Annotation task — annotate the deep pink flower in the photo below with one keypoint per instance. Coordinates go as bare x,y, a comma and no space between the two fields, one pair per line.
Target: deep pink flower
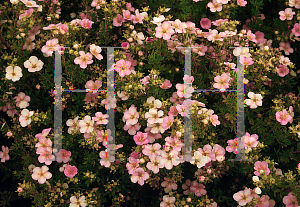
282,117
141,138
296,29
70,171
123,67
205,23
63,156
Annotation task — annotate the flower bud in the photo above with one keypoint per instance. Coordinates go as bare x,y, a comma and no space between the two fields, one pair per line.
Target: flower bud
9,134
188,199
257,190
48,18
255,178
142,161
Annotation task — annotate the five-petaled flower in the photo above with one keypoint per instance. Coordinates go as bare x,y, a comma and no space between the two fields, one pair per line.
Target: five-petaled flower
33,64
13,73
41,174
4,154
254,101
84,59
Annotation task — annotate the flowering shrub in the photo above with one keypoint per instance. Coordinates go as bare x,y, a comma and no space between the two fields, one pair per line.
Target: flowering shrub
153,98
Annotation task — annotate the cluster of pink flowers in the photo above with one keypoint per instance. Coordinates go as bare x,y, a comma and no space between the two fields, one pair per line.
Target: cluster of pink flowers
193,187
284,117
250,141
246,196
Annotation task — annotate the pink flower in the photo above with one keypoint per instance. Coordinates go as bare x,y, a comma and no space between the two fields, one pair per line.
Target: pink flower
166,84
243,197
261,168
184,90
63,155
127,15
118,20
73,125
41,174
44,133
128,6
27,13
63,28
198,189
222,81
282,117
86,125
152,150
95,50
153,116
250,141
13,73
296,29
154,164
178,26
290,200
138,18
25,117
205,23
168,201
241,2
9,134
214,6
86,23
219,153
232,146
4,154
22,100
164,31
284,60
175,143
70,171
131,115
91,85
186,186
287,14
169,159
285,46
84,59
51,45
282,70
45,155
173,111
214,120
96,3
33,64
139,176
100,118
254,101
246,61
132,129
123,67
259,37
199,49
167,122
141,138
169,184
105,158
188,79
133,164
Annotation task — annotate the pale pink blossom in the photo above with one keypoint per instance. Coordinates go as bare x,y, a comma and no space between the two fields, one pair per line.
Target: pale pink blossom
152,150
96,3
199,49
127,15
287,14
131,115
105,158
63,29
44,133
254,101
41,174
45,155
84,59
51,45
100,118
153,116
214,120
250,141
132,129
138,18
241,2
33,64
290,200
167,122
27,13
22,100
285,46
78,202
95,50
123,67
246,61
4,154
284,60
214,6
29,3
158,20
222,81
175,143
73,125
86,125
94,86
164,31
169,159
13,73
154,164
296,28
25,117
282,70
133,164
168,201
63,156
178,26
70,171
139,176
243,197
219,153
183,90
